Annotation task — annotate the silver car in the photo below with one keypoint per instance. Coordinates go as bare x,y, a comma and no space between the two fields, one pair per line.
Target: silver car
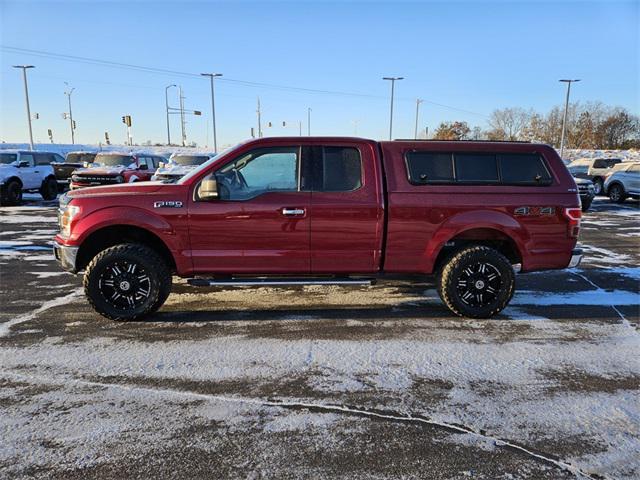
623,182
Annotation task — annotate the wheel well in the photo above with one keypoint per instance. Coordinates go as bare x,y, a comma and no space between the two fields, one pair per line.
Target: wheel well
479,236
10,179
597,177
117,234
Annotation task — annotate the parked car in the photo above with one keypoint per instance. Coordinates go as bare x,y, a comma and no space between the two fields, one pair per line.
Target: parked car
111,168
594,169
71,162
623,182
313,210
178,166
587,192
27,171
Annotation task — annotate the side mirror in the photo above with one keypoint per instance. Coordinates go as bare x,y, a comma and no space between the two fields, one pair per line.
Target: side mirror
24,164
144,166
208,189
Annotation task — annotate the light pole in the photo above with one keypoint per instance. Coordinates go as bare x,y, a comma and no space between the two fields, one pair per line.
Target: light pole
26,97
213,108
415,133
564,119
166,107
68,94
393,83
308,121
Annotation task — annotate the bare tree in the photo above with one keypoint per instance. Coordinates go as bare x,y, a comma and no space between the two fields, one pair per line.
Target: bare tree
508,123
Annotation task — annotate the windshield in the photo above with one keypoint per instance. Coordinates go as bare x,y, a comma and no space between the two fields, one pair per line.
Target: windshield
111,160
6,158
206,164
578,169
80,157
188,160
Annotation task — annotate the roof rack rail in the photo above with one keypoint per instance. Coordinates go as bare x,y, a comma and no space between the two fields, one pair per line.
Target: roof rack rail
465,140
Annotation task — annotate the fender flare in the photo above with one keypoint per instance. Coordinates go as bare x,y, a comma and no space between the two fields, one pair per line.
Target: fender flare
12,178
483,219
114,216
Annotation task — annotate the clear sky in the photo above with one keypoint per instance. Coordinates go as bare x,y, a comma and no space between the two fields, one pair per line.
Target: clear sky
474,56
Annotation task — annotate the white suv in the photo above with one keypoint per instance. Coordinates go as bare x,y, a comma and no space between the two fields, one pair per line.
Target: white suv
27,171
623,182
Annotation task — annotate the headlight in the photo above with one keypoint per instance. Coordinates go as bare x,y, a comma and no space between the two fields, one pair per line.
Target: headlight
66,216
119,179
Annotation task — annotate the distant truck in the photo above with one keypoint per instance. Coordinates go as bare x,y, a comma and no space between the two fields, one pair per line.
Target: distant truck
594,169
72,161
27,171
178,166
318,211
110,168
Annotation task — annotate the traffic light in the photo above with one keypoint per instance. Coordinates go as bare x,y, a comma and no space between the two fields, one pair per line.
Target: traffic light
74,124
197,112
126,119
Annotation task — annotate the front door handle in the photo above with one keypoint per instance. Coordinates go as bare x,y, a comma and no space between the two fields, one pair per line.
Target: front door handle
293,212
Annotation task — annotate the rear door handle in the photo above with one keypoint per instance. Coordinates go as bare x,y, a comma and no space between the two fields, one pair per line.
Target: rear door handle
293,212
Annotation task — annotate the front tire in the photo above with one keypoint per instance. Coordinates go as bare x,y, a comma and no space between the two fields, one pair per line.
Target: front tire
12,194
598,186
586,205
49,189
127,282
477,282
617,193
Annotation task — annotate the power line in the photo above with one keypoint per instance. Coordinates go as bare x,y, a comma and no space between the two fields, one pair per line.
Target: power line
247,83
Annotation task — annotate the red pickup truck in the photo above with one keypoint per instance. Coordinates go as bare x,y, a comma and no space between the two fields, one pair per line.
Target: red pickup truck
110,168
313,210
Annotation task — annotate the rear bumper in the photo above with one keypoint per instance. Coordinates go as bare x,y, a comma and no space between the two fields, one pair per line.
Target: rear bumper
576,258
66,256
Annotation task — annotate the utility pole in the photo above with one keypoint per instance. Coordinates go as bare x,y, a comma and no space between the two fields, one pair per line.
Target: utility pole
418,102
258,111
566,108
213,107
184,134
393,83
355,127
300,127
166,107
26,97
71,123
309,121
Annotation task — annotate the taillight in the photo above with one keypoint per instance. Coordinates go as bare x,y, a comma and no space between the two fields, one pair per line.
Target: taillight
573,215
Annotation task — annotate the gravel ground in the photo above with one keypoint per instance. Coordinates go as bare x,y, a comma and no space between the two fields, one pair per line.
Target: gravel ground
322,382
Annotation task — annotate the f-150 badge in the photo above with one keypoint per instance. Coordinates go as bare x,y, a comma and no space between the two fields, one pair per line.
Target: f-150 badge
168,204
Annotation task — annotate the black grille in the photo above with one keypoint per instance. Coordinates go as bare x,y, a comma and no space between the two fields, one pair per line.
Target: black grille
94,179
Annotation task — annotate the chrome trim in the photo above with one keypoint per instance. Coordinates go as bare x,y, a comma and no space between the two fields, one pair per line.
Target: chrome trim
66,256
576,258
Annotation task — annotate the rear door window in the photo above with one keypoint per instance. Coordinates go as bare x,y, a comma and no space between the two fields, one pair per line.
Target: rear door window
44,158
341,169
523,169
430,167
476,168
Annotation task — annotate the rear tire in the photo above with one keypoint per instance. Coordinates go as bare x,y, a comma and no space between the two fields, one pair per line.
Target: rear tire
617,193
49,189
127,282
477,282
12,194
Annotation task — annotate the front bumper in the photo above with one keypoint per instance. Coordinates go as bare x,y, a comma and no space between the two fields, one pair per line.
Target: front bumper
66,256
576,258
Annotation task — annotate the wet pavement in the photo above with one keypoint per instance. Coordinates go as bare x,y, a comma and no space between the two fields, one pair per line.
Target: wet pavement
322,382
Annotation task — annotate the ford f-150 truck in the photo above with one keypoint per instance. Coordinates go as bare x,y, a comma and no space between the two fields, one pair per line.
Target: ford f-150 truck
313,210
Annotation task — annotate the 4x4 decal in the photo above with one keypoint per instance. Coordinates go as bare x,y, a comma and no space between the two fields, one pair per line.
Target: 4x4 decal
534,211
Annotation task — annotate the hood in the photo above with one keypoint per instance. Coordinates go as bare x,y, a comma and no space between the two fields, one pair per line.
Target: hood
117,170
7,169
582,181
142,188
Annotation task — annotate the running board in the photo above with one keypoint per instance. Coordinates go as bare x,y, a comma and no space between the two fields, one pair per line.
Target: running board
277,281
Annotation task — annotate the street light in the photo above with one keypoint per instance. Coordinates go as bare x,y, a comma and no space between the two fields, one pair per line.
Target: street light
26,97
213,108
71,124
308,121
566,108
418,102
166,106
393,82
